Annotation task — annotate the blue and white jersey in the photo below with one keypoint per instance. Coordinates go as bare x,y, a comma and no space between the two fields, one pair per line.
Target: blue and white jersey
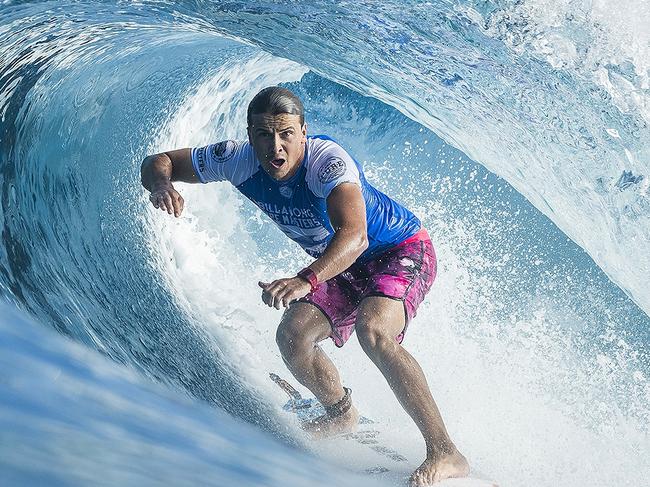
298,205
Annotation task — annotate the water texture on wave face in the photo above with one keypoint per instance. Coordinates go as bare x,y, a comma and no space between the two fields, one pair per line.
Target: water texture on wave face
535,338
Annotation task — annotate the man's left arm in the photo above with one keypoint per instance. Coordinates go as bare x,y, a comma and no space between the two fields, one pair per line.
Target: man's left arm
346,209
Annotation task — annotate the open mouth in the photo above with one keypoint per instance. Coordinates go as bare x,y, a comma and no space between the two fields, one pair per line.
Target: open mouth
277,163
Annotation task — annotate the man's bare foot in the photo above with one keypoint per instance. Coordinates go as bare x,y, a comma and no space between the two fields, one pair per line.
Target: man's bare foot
434,470
325,425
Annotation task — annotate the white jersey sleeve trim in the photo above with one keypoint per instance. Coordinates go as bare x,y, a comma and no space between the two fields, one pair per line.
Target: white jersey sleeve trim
229,160
329,165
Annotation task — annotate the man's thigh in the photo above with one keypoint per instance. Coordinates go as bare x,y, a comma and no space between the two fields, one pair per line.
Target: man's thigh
305,322
399,281
381,315
337,299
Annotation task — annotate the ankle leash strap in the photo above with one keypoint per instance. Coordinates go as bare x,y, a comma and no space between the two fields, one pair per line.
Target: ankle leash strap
341,407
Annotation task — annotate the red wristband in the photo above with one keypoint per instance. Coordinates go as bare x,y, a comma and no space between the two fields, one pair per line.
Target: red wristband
310,276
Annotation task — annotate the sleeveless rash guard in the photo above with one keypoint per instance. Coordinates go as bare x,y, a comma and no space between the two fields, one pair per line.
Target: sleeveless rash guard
298,205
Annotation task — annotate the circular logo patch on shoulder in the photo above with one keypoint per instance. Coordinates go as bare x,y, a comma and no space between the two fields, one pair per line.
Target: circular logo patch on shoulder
331,170
223,151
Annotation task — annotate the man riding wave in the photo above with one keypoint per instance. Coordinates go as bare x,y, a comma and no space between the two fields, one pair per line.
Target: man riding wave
374,263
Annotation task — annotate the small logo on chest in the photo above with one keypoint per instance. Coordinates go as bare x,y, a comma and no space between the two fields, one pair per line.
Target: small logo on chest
286,191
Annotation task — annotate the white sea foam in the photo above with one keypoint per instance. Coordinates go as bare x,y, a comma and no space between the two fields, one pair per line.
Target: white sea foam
207,255
526,385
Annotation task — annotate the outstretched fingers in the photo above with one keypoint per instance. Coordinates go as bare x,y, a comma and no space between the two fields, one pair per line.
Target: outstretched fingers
285,297
282,292
169,205
178,203
276,294
156,201
168,200
275,290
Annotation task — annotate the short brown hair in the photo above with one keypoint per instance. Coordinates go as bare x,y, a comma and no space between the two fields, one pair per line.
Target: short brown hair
275,100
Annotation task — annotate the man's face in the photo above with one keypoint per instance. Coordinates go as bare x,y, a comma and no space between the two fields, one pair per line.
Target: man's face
279,143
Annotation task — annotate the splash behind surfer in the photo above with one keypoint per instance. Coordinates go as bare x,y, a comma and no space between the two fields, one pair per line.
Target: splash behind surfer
374,263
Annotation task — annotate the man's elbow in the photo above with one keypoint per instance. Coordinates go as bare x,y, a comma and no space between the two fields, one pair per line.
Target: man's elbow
362,241
145,170
356,241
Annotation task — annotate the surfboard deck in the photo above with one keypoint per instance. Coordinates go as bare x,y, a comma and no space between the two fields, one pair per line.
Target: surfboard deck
370,447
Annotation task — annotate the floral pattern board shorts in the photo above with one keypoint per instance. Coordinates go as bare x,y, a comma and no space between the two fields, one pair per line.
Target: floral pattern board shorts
404,273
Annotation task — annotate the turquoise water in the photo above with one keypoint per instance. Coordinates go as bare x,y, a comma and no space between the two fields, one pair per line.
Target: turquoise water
518,133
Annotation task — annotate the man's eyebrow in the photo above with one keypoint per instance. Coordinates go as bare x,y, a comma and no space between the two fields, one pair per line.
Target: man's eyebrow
268,129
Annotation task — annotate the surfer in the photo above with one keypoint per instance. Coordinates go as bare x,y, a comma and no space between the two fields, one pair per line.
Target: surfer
374,263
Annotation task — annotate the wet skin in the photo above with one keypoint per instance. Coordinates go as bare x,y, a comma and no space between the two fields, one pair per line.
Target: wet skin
279,143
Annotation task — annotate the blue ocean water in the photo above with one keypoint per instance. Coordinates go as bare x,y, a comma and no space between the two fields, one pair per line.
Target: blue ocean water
517,131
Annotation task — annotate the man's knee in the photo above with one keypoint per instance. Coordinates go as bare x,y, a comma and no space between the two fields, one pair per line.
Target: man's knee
372,335
378,323
299,332
289,338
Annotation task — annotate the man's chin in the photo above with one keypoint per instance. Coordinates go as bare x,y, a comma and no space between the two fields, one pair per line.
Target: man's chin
278,174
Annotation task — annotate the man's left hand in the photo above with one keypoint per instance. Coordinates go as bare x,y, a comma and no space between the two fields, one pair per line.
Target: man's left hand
283,292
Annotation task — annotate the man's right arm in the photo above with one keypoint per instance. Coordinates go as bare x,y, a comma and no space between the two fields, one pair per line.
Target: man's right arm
159,171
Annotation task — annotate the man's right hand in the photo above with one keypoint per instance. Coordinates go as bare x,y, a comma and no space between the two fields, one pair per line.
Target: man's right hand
157,173
167,199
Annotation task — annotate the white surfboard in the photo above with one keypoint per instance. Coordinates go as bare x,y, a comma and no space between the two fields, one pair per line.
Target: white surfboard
370,450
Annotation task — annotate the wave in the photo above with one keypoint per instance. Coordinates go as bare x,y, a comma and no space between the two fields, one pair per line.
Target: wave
549,97
71,417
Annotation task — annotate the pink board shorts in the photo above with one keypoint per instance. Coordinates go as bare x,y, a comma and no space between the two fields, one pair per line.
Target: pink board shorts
404,273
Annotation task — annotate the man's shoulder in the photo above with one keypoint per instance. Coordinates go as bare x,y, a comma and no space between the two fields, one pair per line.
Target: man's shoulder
322,143
328,165
231,147
231,159
322,149
225,150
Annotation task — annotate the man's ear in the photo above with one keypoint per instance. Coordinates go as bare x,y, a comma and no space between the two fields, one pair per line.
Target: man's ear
249,131
304,132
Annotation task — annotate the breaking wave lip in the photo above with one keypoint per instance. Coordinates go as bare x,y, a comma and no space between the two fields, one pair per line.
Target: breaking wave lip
460,69
552,98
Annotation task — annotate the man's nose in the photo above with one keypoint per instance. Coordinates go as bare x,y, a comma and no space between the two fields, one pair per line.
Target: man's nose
277,144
